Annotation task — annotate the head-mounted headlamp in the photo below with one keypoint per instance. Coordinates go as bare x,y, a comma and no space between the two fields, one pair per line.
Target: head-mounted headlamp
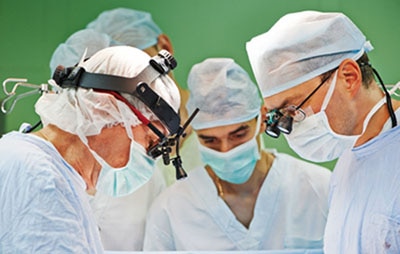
161,64
137,86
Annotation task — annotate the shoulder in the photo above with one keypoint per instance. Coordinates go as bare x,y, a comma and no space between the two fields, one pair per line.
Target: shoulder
27,154
30,165
19,153
182,192
18,147
301,174
299,166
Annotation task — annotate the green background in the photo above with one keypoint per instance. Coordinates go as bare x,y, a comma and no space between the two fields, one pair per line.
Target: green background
31,30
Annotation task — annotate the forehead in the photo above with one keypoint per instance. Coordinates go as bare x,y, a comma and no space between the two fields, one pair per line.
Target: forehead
224,129
291,96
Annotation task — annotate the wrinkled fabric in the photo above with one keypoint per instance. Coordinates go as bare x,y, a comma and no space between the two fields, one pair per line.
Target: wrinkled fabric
223,92
43,202
121,221
128,27
72,50
364,214
86,112
290,212
301,46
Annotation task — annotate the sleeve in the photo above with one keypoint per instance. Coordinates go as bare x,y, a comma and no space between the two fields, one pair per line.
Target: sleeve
158,233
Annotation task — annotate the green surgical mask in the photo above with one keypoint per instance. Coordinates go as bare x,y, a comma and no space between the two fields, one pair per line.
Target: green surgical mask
123,181
236,165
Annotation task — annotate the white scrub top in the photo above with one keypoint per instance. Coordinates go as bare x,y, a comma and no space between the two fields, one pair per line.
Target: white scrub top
364,212
290,212
121,220
44,207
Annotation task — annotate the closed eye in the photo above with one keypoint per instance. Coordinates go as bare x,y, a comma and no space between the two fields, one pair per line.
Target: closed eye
238,135
206,139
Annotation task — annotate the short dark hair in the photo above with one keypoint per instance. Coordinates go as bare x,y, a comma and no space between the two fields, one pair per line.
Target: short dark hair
366,71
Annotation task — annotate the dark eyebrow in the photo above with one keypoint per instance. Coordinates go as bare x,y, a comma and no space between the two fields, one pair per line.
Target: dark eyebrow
240,128
205,136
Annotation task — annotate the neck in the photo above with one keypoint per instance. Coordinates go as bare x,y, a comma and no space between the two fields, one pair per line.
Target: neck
251,186
376,123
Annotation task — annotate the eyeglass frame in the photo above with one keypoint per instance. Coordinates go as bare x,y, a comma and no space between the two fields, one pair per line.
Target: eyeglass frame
278,121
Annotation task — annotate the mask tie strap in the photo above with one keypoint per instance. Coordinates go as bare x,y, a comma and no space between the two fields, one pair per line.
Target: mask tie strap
329,93
377,106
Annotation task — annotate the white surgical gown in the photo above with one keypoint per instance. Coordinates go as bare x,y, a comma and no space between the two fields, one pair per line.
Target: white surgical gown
290,212
121,220
364,214
44,207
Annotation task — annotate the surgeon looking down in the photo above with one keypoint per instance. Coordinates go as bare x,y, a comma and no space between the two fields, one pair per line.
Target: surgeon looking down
245,197
318,62
121,220
91,141
138,29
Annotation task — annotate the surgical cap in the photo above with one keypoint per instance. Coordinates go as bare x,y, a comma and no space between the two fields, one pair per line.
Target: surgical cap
85,112
128,27
301,46
70,52
223,92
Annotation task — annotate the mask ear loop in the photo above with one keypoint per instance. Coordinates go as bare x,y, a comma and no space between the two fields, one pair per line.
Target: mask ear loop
328,95
377,106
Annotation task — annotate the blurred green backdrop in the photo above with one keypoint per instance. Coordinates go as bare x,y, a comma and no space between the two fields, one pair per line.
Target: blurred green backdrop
31,30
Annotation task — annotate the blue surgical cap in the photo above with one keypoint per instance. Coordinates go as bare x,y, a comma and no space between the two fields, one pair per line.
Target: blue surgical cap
301,46
128,27
223,92
70,52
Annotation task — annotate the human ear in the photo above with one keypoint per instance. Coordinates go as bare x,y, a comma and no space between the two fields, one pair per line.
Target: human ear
163,42
263,113
350,72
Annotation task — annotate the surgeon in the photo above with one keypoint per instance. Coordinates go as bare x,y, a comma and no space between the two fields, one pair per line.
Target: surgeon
313,69
245,197
98,126
137,28
121,220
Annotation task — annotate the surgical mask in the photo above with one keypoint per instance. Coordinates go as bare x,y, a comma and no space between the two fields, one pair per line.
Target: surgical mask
314,140
236,165
123,181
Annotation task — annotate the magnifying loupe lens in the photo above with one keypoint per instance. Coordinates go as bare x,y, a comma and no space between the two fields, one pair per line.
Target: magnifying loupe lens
273,131
285,124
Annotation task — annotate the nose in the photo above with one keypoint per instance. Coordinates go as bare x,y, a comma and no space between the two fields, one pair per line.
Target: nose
152,139
225,146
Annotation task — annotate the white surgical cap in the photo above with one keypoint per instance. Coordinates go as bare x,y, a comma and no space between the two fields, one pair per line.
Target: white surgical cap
128,27
70,52
85,112
223,92
301,46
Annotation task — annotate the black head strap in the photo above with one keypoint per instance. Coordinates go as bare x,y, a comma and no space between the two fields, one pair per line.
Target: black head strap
137,86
